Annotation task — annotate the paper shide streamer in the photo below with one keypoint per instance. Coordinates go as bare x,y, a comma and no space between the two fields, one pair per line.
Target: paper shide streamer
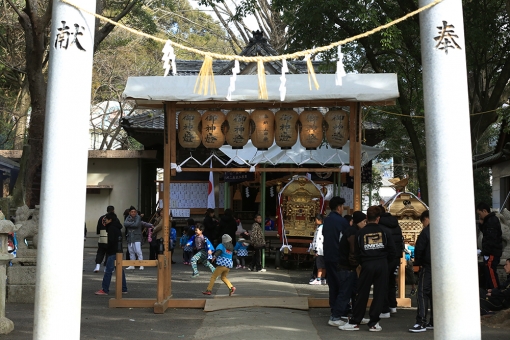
169,58
232,86
340,71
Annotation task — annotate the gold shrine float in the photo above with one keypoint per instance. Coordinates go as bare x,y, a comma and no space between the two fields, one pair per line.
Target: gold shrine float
407,208
299,201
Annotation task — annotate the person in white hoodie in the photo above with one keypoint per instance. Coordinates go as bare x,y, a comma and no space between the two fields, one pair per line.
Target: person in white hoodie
318,249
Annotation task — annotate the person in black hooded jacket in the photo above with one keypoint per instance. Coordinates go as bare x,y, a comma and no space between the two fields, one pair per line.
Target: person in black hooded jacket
492,244
391,226
228,224
211,228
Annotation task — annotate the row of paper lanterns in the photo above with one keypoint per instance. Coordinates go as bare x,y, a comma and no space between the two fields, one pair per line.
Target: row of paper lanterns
214,128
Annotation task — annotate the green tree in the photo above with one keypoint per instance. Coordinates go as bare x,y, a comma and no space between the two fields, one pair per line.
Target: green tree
122,55
315,23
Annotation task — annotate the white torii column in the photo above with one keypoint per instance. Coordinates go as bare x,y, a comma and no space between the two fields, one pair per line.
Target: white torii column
449,170
64,173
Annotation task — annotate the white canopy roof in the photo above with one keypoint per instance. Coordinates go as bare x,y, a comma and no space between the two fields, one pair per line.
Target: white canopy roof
297,155
355,87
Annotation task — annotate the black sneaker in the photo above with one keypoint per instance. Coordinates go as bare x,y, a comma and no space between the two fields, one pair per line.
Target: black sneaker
417,328
429,326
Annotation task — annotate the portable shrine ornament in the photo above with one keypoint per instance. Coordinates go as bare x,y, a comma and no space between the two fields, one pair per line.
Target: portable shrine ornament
262,136
337,127
212,134
237,128
189,129
311,133
286,128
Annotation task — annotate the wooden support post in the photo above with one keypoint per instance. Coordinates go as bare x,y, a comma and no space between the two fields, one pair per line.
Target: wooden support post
160,291
118,275
355,152
172,134
172,114
402,301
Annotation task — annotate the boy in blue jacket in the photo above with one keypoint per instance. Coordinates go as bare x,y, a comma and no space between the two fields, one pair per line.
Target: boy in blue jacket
204,250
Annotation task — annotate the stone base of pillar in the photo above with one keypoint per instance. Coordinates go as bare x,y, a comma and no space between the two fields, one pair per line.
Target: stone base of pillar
21,284
6,325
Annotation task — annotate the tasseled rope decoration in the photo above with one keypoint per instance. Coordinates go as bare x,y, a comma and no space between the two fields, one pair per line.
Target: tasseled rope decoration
262,80
311,73
205,80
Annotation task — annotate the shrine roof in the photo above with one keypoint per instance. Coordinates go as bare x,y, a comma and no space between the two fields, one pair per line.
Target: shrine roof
152,92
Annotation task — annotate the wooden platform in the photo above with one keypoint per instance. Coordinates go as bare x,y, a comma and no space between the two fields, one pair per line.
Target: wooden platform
221,303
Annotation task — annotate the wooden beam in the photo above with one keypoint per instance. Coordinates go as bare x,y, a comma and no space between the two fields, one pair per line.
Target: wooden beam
186,303
318,302
137,263
146,154
296,170
228,105
131,303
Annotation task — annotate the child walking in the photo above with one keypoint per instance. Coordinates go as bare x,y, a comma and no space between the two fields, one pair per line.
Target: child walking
242,252
187,251
318,249
223,258
204,249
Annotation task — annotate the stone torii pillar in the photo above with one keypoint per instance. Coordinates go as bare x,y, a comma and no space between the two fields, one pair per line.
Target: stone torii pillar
64,172
449,169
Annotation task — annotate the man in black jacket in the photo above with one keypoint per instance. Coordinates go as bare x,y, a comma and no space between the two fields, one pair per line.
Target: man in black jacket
390,222
492,244
375,249
103,237
114,233
333,230
422,259
492,300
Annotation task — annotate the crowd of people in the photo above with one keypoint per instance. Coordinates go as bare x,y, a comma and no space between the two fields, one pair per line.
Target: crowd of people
202,243
355,256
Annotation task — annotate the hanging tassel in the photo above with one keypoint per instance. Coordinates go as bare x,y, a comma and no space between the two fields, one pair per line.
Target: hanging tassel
311,73
340,71
262,80
205,78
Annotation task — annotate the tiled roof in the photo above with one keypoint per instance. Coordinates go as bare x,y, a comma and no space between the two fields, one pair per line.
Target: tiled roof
150,120
258,46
